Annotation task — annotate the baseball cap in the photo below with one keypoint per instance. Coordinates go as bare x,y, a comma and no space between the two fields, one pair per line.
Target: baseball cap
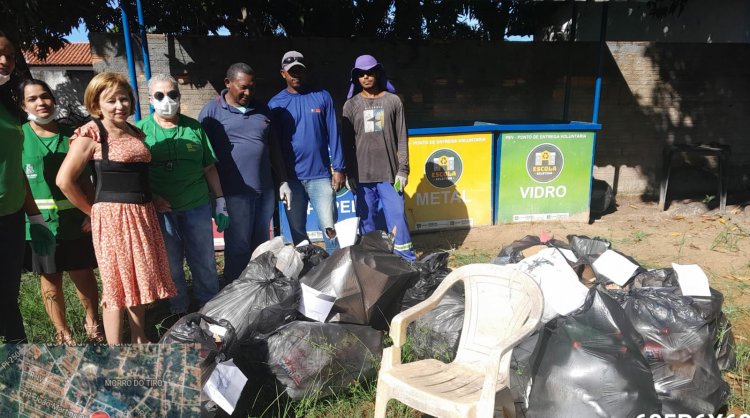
292,58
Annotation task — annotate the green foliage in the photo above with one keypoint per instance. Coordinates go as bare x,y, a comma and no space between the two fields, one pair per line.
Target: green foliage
39,328
639,236
740,397
463,257
729,238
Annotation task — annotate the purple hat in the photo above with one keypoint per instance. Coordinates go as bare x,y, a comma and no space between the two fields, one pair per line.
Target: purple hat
364,63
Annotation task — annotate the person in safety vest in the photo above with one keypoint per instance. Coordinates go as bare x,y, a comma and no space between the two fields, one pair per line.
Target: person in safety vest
15,201
45,145
128,244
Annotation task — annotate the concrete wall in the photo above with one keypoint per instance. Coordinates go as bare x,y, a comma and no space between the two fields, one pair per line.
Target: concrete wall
701,21
653,93
67,85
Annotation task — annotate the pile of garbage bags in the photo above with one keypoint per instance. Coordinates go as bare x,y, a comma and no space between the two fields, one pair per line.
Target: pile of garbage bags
634,343
613,342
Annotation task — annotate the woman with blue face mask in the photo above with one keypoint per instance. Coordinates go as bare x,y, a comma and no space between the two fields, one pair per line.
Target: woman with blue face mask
44,149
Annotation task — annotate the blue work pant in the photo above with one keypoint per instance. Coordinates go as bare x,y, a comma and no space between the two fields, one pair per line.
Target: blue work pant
368,197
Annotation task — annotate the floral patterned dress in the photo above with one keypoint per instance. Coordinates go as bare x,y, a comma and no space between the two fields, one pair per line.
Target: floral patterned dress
128,243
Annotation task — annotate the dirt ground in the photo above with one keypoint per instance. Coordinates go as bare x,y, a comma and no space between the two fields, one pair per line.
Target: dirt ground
687,233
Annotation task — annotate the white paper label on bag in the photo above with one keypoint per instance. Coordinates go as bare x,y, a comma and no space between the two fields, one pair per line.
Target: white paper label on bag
225,385
615,267
315,304
692,279
217,330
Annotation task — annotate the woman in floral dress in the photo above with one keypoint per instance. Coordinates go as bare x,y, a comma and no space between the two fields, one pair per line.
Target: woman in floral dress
128,244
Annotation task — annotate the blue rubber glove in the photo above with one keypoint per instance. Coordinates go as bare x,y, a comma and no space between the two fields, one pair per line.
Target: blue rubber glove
221,216
42,239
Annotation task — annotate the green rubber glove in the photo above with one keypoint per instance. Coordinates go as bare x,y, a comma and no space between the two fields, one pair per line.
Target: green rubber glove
221,216
400,183
42,239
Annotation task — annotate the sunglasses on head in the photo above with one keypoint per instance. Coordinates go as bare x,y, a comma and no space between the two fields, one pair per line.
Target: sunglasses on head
172,94
289,60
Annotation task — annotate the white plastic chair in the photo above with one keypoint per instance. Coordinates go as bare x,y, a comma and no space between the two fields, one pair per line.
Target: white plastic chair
502,307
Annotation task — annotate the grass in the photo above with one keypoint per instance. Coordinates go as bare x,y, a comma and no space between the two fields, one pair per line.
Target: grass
740,398
728,238
39,328
460,258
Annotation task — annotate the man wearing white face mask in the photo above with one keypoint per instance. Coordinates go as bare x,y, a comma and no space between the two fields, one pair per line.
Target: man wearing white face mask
181,174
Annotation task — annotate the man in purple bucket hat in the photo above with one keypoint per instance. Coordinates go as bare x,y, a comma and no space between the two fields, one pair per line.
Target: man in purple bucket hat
374,133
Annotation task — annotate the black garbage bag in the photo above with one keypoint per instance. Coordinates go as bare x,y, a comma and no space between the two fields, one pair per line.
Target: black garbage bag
724,344
602,197
312,255
588,364
679,348
513,252
313,359
259,301
520,371
437,333
379,241
720,329
432,270
368,284
588,248
665,277
193,329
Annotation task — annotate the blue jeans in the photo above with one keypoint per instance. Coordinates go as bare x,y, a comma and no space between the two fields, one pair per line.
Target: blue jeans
188,234
250,226
368,196
321,195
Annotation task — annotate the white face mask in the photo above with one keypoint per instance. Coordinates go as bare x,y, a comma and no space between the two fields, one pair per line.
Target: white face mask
42,121
167,107
4,78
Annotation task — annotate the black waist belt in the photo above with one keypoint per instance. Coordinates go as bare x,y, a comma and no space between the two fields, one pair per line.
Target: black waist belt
122,182
118,182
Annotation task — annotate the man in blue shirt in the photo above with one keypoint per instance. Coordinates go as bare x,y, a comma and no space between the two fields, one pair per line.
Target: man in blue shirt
305,120
239,128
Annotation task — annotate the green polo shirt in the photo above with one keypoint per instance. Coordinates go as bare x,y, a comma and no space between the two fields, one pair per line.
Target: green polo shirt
178,157
42,157
12,189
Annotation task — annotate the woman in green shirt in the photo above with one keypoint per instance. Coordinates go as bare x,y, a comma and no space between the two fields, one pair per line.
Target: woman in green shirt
44,148
15,201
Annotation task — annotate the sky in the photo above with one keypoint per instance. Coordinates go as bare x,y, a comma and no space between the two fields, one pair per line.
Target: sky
81,34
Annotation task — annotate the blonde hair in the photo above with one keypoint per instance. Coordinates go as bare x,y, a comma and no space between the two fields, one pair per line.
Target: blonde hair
101,83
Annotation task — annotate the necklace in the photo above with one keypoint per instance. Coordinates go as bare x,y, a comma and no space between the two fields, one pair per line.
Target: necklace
169,135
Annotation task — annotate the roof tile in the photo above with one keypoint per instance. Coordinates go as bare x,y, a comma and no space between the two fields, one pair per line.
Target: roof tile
70,54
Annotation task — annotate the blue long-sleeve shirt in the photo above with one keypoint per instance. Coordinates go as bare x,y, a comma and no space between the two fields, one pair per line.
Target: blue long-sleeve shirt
309,136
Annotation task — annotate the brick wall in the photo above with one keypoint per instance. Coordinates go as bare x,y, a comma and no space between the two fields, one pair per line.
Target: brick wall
653,93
